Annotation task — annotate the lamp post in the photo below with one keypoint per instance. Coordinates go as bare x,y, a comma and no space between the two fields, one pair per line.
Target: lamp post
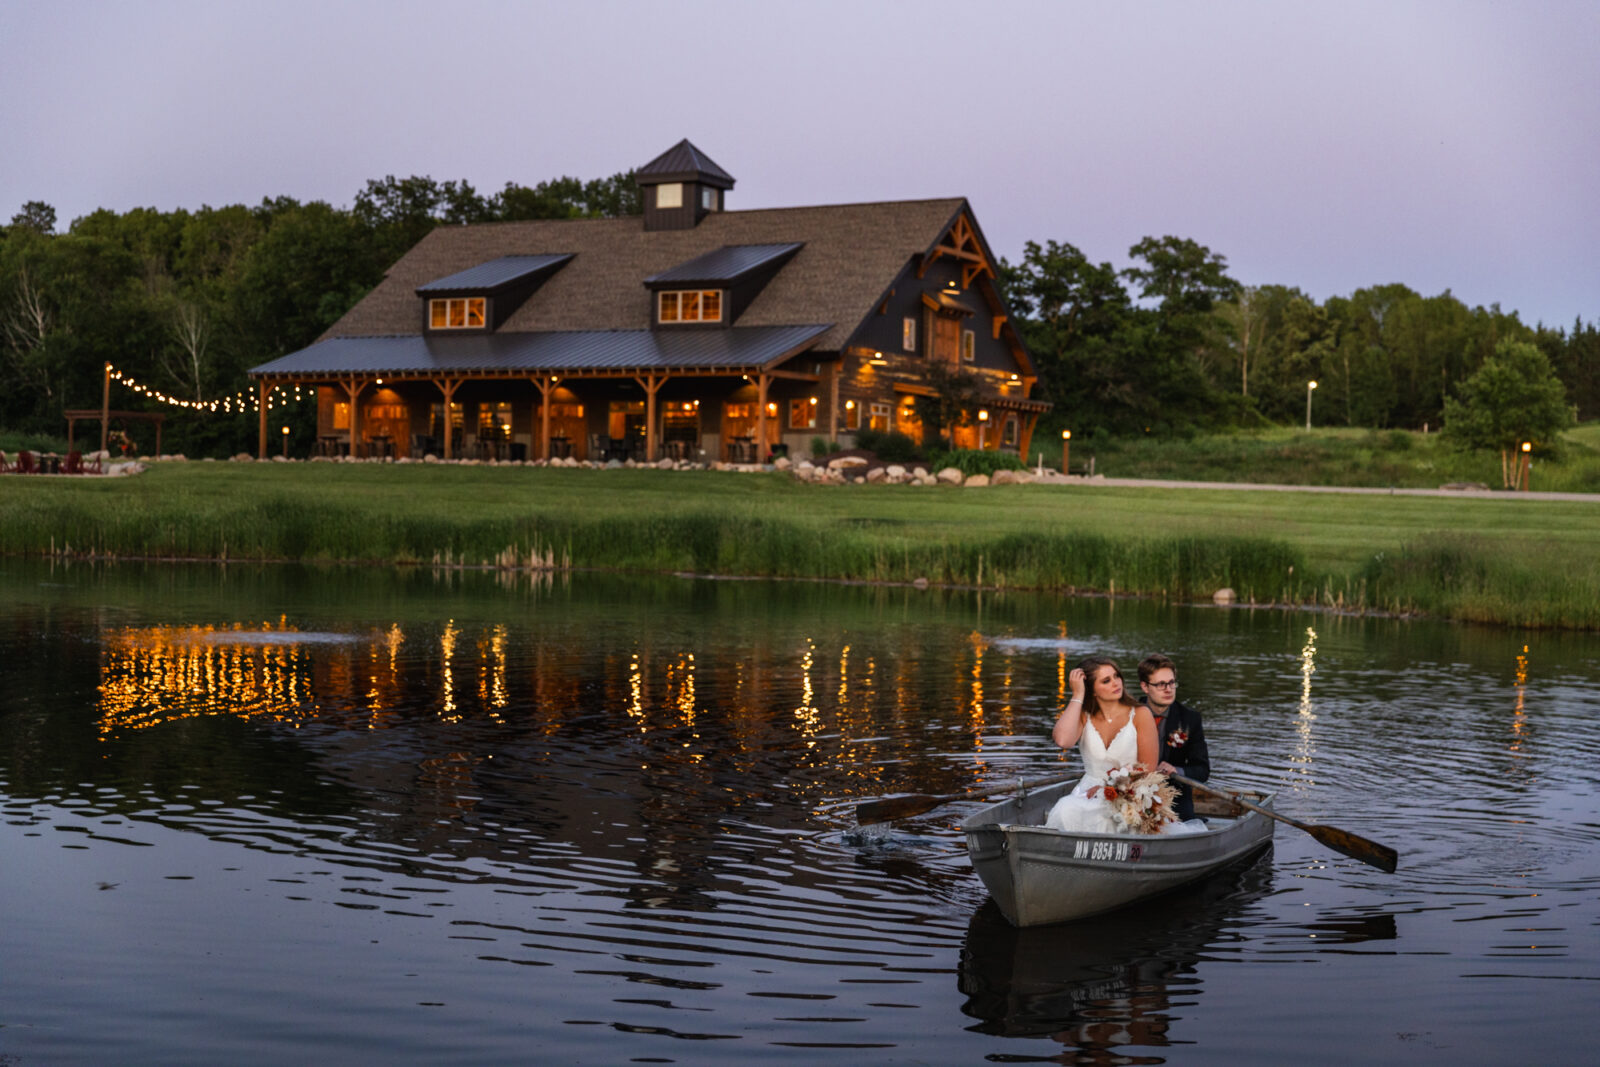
286,442
1527,462
1310,388
983,426
1066,450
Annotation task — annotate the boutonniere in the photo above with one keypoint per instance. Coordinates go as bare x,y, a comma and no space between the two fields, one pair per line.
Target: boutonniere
1177,738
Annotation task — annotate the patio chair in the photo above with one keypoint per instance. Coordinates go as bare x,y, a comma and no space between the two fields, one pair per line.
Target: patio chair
26,463
74,463
4,465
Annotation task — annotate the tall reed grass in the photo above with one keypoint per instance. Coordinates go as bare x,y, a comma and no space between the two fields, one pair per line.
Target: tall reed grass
1014,538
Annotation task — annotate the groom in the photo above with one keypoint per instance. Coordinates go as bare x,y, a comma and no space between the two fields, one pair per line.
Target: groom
1183,742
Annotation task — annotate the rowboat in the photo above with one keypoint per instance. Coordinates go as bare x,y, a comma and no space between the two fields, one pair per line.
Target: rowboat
1039,876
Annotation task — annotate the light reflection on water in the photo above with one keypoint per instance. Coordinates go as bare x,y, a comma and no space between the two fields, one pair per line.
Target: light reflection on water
436,819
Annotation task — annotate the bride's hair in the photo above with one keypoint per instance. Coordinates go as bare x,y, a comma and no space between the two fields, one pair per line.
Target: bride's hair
1089,666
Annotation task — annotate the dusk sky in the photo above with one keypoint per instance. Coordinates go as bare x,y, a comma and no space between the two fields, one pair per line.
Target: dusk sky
1443,144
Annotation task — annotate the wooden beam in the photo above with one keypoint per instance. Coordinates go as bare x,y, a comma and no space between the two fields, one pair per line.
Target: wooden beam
546,385
448,387
652,384
261,406
833,403
763,381
105,410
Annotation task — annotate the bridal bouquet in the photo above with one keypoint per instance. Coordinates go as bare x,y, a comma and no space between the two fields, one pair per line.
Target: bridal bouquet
1141,801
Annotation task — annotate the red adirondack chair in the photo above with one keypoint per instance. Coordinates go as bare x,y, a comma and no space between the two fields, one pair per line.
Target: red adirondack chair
74,463
25,463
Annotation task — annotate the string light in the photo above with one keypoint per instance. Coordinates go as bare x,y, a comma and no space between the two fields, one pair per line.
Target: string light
236,404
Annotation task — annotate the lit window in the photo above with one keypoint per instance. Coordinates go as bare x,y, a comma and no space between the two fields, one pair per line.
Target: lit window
690,305
968,343
879,418
669,194
852,415
1009,436
908,334
460,313
803,414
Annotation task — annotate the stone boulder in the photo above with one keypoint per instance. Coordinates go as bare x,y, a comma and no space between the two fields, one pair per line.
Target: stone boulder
949,476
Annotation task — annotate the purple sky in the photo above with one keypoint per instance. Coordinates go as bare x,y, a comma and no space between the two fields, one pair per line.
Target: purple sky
1326,145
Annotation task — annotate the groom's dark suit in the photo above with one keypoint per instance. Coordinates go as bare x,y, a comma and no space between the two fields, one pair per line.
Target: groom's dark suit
1183,744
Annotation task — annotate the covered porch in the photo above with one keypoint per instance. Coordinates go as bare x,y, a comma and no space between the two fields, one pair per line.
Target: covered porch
619,395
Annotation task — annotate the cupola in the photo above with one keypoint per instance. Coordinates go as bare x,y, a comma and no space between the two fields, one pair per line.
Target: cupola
680,187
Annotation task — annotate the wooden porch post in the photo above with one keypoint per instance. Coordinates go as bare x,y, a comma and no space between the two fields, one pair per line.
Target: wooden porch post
448,388
1028,423
261,412
105,410
546,386
763,381
352,387
652,384
833,400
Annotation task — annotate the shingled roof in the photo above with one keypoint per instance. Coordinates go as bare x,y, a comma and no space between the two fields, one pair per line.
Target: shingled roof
851,255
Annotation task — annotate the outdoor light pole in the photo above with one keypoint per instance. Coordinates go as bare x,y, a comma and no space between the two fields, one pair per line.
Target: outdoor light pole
286,442
1310,387
1066,450
983,426
1527,462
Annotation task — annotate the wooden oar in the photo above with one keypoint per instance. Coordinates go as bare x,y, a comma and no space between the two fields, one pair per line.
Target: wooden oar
1359,848
917,803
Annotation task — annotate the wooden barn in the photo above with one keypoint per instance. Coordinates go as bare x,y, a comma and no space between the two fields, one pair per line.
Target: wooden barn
690,332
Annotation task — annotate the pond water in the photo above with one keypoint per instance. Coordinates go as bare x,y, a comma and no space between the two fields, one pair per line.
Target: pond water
263,815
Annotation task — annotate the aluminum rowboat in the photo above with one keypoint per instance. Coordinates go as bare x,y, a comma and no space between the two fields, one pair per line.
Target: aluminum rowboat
1039,876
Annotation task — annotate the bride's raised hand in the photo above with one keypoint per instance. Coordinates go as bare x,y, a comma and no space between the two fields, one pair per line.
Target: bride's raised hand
1077,682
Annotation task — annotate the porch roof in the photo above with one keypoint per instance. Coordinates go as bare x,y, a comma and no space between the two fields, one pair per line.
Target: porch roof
569,352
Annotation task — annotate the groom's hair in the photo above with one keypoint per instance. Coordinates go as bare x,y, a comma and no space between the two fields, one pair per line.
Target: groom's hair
1155,662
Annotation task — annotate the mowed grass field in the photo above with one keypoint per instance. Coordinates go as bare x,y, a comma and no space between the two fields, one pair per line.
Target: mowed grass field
1496,557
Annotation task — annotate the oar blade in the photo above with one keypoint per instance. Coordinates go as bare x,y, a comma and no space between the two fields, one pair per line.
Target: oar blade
892,808
1357,848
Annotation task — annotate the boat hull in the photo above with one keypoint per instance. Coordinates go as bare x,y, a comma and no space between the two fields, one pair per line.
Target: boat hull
1039,876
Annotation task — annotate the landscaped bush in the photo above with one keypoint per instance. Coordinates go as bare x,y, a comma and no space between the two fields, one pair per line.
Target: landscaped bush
889,446
970,462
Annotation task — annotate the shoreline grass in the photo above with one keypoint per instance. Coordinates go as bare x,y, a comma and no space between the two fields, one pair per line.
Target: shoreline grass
1498,559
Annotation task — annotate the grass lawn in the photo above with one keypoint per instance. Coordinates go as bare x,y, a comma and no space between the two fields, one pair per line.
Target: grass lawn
1499,558
1378,458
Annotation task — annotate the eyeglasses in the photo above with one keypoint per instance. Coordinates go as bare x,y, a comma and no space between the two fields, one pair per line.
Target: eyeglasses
1163,685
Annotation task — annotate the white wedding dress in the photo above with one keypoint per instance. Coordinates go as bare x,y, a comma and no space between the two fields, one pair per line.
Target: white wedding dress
1078,812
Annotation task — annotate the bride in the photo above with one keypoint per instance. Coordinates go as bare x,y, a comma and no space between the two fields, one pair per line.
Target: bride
1111,731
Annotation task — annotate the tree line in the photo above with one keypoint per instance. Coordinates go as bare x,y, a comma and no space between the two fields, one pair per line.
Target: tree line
186,301
1173,344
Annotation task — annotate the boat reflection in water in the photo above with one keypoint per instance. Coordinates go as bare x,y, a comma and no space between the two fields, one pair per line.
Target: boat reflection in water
1109,985
1103,985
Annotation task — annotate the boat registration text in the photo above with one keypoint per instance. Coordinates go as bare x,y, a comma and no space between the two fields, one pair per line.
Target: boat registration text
1126,851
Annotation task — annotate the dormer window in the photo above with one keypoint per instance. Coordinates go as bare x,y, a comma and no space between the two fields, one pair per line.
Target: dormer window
708,198
461,313
669,194
689,305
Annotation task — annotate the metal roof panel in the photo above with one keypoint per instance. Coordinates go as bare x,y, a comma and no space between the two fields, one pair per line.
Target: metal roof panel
495,273
726,264
568,352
